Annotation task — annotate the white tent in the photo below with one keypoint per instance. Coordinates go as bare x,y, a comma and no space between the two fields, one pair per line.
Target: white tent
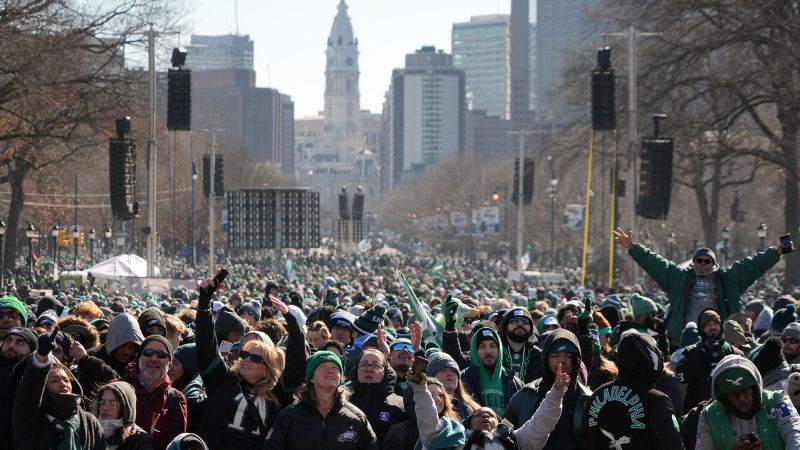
121,266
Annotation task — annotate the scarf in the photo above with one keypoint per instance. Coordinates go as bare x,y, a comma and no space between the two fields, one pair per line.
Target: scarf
66,433
110,427
491,386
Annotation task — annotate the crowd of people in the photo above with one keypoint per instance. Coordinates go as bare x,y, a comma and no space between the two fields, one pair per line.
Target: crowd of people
341,352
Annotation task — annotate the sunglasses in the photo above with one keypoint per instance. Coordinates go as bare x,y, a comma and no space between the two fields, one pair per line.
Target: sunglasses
703,261
258,359
9,314
402,346
518,320
149,352
790,340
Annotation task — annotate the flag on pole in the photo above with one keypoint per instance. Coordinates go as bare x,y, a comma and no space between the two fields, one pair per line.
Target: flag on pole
432,330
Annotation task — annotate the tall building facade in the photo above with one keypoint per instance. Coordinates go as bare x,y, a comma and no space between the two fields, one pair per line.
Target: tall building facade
426,114
336,154
519,64
220,52
481,50
559,27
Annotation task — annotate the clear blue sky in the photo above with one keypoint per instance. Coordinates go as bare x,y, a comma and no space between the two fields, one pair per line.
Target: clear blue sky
290,35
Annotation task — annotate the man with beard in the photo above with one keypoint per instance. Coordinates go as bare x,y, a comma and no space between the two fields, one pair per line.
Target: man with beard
489,383
703,284
644,320
160,409
698,360
743,415
520,354
17,345
401,357
791,343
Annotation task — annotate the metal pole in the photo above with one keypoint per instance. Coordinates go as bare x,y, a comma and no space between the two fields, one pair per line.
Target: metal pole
552,231
76,200
151,152
74,252
194,169
30,259
2,262
520,200
91,252
211,199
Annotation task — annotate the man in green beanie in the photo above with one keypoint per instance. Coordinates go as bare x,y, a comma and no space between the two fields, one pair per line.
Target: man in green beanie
12,314
702,285
743,415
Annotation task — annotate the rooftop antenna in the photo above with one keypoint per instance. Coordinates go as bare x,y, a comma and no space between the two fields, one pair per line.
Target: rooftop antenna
236,15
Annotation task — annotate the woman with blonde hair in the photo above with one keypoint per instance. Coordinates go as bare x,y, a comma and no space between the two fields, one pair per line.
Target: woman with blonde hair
241,406
317,334
438,423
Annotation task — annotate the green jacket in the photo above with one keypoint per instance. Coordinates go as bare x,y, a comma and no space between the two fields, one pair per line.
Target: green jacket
729,283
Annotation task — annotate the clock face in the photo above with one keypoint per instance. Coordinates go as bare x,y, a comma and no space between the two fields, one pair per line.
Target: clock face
349,61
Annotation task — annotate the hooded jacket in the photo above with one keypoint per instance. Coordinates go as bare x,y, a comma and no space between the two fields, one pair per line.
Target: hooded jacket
378,402
191,385
471,375
630,410
530,354
695,364
123,329
161,411
677,282
33,404
776,423
131,436
523,405
300,426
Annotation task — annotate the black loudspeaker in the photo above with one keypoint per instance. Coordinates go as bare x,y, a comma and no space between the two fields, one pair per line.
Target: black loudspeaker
122,178
344,210
179,99
206,175
358,206
603,99
655,184
219,176
528,171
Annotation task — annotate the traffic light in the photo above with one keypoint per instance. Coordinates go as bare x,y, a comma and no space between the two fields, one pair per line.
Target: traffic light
206,175
219,177
62,238
80,239
179,99
655,184
527,181
603,104
122,177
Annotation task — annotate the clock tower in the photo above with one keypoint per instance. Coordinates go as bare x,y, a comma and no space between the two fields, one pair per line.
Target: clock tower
342,119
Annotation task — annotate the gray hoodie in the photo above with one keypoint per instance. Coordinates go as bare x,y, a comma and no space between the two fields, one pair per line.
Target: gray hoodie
764,319
789,426
123,329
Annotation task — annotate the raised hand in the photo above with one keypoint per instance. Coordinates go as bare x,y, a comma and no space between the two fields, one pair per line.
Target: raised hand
382,345
205,292
278,304
623,239
76,351
416,335
585,318
46,343
561,379
449,310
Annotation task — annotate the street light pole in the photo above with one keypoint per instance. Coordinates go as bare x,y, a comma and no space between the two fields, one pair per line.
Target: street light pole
75,234
30,232
2,254
762,234
552,189
107,233
152,153
92,235
520,197
54,234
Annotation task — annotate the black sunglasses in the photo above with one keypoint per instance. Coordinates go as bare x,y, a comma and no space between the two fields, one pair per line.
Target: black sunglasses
790,340
704,261
258,359
149,352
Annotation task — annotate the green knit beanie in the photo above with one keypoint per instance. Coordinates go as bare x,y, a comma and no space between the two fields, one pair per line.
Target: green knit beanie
11,302
642,305
318,358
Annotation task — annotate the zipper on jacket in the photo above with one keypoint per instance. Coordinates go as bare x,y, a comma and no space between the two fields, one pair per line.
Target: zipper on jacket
323,431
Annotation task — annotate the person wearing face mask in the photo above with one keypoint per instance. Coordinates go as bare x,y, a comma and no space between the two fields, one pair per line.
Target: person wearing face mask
47,412
704,284
241,405
116,409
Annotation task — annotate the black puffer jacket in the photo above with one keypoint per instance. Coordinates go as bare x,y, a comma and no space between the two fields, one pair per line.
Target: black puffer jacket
300,426
403,435
378,401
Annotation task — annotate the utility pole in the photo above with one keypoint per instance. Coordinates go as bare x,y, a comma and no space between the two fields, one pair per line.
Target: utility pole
212,197
194,179
632,185
152,238
520,197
